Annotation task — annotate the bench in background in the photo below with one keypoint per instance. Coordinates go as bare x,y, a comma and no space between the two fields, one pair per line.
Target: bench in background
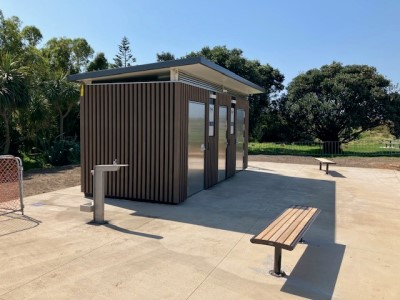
325,161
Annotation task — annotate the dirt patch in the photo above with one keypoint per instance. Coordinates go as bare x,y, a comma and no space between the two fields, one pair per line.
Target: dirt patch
48,180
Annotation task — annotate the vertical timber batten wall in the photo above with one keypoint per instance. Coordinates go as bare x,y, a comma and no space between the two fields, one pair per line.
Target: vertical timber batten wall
145,125
135,124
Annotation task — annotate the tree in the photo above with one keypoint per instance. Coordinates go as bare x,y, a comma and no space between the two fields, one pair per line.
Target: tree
13,92
22,44
62,96
10,37
81,52
98,63
392,112
124,58
67,55
264,75
336,102
29,83
165,56
31,36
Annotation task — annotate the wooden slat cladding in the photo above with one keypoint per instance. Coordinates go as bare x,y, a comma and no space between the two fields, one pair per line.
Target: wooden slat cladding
139,125
145,125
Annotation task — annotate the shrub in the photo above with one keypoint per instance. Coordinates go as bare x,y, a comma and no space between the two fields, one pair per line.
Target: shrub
63,152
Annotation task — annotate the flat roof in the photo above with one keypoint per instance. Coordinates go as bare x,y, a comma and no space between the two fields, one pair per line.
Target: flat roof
196,66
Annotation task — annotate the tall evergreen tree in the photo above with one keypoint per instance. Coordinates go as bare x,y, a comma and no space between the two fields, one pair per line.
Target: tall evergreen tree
124,57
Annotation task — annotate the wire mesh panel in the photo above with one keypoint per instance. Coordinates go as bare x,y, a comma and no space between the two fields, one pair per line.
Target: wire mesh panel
11,195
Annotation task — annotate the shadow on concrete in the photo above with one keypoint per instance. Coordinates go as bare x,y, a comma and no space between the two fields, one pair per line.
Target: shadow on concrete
336,174
124,230
244,203
315,274
247,203
13,222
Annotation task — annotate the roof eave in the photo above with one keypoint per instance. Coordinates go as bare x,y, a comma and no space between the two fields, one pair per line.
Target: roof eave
81,77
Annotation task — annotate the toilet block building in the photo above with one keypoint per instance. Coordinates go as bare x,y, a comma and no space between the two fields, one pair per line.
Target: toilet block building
180,125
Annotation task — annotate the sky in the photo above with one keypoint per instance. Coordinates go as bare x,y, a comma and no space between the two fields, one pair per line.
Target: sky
290,35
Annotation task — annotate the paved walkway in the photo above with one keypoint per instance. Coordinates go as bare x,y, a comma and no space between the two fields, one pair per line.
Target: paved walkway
201,249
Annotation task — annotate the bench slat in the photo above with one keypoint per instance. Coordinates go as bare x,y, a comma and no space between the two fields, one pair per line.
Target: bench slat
288,228
297,215
264,234
301,228
325,161
293,227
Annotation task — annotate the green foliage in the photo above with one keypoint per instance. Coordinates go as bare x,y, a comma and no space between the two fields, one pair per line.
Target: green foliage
378,133
36,122
62,96
81,52
124,57
13,92
165,56
264,75
32,160
336,102
355,148
35,98
393,113
31,36
63,151
99,63
10,37
67,55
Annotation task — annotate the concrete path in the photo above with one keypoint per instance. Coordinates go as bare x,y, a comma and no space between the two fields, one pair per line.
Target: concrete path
201,249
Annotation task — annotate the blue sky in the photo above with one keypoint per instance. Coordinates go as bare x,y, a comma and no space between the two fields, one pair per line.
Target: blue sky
293,36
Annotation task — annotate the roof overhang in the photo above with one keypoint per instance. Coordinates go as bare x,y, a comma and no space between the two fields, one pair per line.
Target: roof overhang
196,66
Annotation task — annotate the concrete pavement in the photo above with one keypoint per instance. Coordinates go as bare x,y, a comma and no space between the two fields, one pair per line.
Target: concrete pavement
201,249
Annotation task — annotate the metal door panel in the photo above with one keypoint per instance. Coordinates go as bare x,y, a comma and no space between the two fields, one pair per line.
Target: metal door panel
240,115
196,147
222,142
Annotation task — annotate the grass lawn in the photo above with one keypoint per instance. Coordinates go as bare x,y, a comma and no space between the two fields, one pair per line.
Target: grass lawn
358,148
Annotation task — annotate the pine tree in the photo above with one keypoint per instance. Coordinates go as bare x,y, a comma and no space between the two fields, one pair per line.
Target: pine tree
124,58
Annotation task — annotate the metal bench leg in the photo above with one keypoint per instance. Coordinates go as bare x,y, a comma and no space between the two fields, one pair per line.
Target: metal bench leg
320,165
327,168
277,263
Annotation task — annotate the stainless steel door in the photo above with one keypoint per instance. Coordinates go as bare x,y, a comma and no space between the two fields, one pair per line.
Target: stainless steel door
222,142
240,115
196,147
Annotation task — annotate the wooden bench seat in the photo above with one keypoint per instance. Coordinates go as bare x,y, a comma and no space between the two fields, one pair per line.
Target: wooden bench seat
325,161
286,231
